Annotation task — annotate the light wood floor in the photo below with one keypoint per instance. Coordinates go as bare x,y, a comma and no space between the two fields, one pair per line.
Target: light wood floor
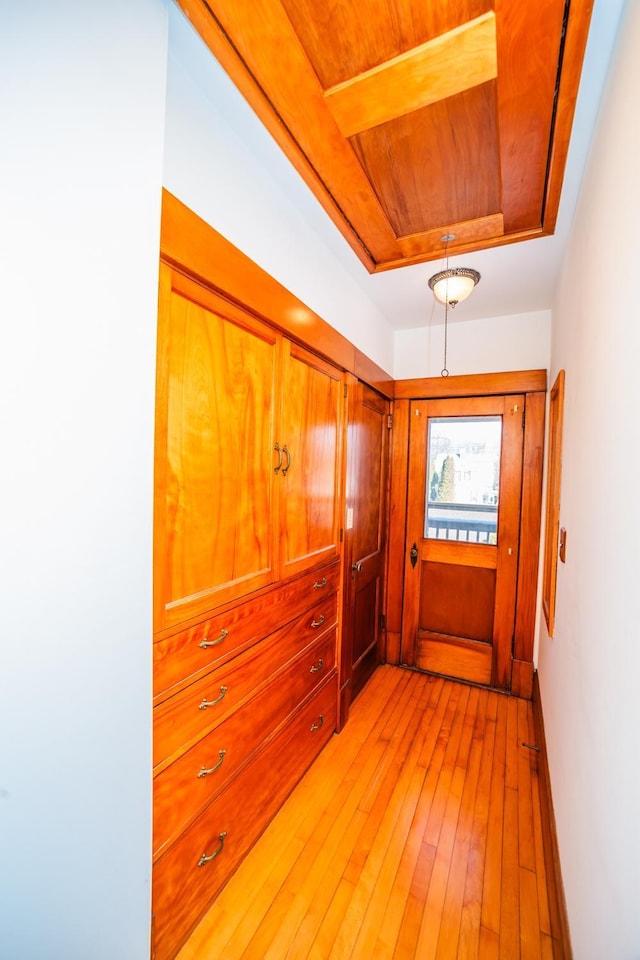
416,834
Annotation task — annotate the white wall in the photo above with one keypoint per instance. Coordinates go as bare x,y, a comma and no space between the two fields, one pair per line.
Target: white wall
81,116
589,671
225,167
519,342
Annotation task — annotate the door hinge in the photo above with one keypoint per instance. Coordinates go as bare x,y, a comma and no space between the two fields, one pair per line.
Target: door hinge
341,535
383,622
523,419
389,421
346,389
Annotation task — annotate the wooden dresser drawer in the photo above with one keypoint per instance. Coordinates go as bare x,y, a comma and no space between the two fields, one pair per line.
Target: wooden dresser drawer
186,717
182,790
180,659
184,885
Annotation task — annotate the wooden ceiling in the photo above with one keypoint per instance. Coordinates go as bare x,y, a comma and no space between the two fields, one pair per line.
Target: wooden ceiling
411,119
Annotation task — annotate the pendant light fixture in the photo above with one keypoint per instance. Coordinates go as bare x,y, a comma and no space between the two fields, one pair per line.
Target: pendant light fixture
449,287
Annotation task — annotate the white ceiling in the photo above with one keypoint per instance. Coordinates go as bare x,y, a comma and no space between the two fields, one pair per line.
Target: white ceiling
515,278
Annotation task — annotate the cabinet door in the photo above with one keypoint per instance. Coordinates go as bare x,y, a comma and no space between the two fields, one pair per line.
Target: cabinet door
310,430
215,503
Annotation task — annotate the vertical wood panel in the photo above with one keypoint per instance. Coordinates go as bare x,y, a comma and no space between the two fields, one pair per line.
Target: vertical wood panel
529,560
399,463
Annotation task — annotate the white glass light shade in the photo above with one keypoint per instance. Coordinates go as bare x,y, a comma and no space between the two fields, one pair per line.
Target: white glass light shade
452,286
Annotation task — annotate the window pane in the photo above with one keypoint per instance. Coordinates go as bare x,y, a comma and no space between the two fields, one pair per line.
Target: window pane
463,478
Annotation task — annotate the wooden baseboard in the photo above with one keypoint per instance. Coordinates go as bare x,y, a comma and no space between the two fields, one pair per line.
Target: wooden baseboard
557,903
522,679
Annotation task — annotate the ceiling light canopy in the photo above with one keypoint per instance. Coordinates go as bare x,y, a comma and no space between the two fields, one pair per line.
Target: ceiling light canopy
453,285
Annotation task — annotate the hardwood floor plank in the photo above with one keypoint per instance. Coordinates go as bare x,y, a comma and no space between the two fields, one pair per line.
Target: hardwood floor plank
431,762
390,817
416,835
379,911
452,912
530,942
446,833
510,901
526,759
472,904
489,944
490,914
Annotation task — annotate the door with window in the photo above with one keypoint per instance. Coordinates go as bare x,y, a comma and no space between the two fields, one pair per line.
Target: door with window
463,521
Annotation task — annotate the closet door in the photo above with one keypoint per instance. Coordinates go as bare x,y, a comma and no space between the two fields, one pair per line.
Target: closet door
215,502
310,438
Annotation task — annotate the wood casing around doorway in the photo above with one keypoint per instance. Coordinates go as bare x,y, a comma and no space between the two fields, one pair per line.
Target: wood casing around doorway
532,384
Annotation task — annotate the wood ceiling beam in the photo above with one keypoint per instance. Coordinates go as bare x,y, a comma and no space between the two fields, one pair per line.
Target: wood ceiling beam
445,66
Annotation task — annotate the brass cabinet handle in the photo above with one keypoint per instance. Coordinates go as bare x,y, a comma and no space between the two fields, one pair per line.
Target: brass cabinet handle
317,666
319,584
205,773
316,726
211,703
318,623
278,451
413,555
205,859
284,450
204,643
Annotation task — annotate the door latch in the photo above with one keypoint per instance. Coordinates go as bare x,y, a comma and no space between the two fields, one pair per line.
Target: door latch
413,555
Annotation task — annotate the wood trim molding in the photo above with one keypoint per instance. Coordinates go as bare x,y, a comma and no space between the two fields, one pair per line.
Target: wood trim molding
471,385
576,34
557,903
397,520
529,559
195,248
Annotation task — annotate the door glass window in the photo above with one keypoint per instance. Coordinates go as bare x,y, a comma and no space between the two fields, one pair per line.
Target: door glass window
463,479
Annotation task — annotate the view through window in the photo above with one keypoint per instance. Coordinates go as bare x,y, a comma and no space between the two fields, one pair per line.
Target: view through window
463,479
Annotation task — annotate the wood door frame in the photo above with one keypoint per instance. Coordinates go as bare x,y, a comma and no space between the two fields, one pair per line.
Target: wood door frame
353,394
533,384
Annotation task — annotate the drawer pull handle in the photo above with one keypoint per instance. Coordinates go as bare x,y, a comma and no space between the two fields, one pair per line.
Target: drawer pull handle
285,469
316,726
279,452
211,703
319,584
204,772
317,666
213,643
318,623
205,859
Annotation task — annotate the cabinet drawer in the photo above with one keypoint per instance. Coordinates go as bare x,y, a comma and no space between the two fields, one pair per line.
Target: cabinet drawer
180,659
190,714
181,790
183,889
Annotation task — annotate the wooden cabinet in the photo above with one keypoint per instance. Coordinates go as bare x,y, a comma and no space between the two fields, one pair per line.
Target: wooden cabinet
248,454
249,457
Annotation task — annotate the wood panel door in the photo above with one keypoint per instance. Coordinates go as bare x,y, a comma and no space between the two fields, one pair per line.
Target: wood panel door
310,436
215,498
365,532
463,521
